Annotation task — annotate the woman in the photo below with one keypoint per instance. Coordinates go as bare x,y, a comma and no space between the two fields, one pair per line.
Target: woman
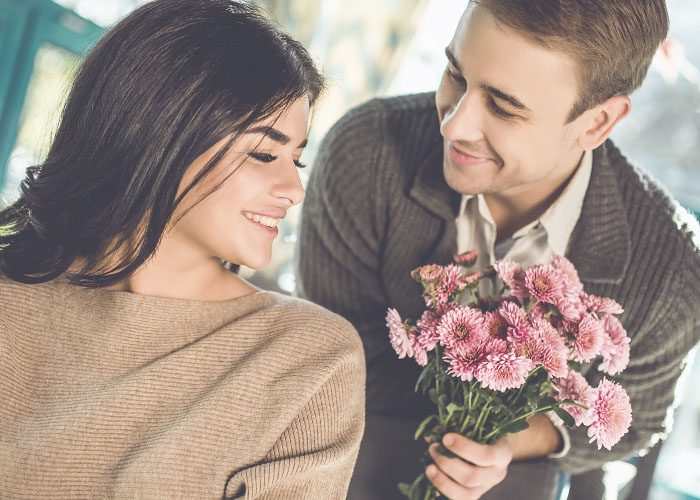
134,363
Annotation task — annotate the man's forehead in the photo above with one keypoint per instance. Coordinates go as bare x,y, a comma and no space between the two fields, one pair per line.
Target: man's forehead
496,56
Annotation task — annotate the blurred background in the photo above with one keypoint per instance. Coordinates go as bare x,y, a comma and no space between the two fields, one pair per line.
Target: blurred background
369,48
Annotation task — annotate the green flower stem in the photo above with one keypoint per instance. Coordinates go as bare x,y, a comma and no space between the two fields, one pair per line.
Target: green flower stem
484,413
498,428
436,358
481,429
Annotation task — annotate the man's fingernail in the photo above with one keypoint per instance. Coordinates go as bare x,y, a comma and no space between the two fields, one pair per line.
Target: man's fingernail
430,471
448,440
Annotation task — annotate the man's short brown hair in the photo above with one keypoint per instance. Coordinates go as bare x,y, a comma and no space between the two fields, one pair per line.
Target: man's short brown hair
613,41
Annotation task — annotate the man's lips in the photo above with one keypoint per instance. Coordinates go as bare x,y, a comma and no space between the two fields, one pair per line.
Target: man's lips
462,157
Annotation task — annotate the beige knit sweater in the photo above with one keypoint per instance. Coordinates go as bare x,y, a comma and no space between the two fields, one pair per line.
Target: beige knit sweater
118,395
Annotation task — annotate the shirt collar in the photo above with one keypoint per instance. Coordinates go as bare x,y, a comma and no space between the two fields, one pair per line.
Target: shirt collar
559,220
561,217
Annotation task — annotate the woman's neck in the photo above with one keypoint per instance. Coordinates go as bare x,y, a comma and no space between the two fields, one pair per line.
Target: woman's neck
177,270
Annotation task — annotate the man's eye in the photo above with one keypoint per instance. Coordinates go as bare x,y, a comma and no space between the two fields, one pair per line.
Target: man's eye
262,157
456,77
498,111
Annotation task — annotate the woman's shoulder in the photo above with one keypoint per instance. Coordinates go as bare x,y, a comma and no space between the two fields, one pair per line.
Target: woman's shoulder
303,319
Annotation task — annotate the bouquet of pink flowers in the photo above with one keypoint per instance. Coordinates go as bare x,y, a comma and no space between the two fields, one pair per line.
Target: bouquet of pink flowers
492,362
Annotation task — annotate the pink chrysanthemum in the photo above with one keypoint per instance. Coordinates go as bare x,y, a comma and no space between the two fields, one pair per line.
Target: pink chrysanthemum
470,279
427,274
616,346
570,307
544,283
572,282
588,339
466,259
419,352
466,364
513,275
574,387
496,346
518,328
398,336
428,335
504,371
461,328
442,309
446,285
601,305
549,349
611,414
496,326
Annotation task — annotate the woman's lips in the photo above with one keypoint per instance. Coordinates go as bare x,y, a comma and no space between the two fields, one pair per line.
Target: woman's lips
272,231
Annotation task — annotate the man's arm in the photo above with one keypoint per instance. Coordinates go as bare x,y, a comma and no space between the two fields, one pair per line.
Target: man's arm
658,354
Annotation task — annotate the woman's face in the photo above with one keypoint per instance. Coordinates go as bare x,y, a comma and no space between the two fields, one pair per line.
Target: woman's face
238,221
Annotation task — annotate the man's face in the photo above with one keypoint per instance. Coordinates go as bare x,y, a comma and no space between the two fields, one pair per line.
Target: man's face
503,104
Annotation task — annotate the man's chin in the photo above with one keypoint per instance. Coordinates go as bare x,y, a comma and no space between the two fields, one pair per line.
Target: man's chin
465,186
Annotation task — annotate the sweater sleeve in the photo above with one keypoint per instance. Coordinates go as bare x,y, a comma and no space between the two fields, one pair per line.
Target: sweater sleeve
315,456
339,253
658,356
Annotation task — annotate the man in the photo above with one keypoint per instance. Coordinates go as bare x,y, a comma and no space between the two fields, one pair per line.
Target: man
510,157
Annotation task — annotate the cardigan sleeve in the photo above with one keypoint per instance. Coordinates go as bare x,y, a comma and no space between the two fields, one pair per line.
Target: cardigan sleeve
658,356
315,455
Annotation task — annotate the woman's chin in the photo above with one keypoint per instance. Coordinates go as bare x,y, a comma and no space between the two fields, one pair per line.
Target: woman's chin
256,263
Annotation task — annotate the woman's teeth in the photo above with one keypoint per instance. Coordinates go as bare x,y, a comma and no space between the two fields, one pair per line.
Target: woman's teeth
265,221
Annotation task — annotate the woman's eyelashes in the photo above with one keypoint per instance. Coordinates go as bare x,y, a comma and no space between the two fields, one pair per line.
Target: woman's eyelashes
268,158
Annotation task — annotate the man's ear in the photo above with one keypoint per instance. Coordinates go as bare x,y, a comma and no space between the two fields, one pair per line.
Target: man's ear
602,121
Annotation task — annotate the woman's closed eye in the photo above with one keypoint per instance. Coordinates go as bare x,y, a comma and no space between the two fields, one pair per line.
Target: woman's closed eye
268,158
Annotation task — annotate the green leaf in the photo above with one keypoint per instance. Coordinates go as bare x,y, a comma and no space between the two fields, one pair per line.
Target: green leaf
432,394
405,489
442,403
424,379
422,425
546,388
547,401
565,416
415,490
517,426
452,408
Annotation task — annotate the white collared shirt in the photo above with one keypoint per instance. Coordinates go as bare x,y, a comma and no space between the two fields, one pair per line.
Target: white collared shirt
535,243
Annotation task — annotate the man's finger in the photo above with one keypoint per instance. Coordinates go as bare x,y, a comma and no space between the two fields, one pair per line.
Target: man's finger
469,476
449,488
484,455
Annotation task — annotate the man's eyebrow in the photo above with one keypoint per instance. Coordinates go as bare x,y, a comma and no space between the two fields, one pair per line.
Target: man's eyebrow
451,57
510,99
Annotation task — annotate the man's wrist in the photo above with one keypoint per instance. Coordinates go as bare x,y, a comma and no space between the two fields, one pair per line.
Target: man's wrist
540,439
